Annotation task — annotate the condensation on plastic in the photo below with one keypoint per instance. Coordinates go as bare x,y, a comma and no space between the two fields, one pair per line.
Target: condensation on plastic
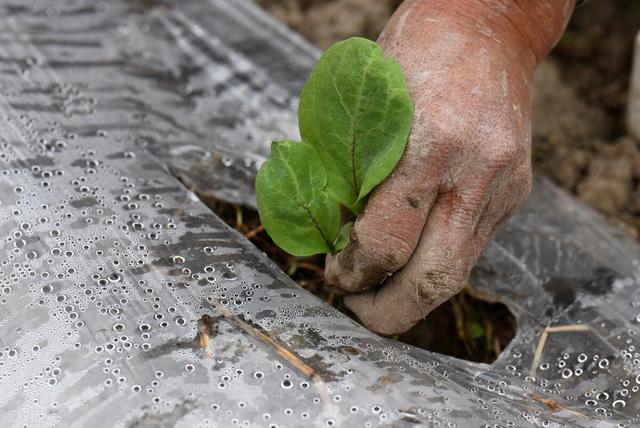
110,267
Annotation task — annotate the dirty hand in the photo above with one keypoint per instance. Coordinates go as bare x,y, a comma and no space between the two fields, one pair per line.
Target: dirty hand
467,166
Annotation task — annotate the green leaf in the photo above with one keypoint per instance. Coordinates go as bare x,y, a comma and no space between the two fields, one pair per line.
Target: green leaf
356,111
297,212
355,115
343,236
477,331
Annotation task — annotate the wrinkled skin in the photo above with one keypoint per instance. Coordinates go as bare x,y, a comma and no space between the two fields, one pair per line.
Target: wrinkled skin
467,165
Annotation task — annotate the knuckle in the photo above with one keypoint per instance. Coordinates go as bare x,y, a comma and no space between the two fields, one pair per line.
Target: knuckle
440,138
500,155
438,283
385,250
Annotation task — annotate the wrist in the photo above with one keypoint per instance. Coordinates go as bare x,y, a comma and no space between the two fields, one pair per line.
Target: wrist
539,23
530,27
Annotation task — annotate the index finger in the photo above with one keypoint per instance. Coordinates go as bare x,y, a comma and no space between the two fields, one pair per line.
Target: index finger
437,270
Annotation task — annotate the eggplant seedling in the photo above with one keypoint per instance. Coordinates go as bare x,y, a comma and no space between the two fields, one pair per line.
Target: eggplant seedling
354,116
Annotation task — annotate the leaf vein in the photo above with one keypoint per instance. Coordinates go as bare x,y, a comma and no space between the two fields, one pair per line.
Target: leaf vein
304,205
355,123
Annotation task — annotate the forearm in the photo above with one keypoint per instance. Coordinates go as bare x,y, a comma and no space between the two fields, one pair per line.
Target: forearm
532,27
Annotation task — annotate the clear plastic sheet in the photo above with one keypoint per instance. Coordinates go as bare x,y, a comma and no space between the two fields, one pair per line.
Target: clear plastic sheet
125,302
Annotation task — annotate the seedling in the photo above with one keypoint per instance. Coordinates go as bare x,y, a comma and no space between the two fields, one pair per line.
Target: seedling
354,116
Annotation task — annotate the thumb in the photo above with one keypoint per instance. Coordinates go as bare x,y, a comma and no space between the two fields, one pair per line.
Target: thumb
387,232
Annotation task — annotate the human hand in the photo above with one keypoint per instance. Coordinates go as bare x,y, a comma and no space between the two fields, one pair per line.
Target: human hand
467,165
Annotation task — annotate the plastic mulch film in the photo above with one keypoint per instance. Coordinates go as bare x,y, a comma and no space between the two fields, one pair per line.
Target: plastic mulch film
125,302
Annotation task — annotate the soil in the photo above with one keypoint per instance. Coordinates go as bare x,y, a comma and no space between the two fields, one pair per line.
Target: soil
579,141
